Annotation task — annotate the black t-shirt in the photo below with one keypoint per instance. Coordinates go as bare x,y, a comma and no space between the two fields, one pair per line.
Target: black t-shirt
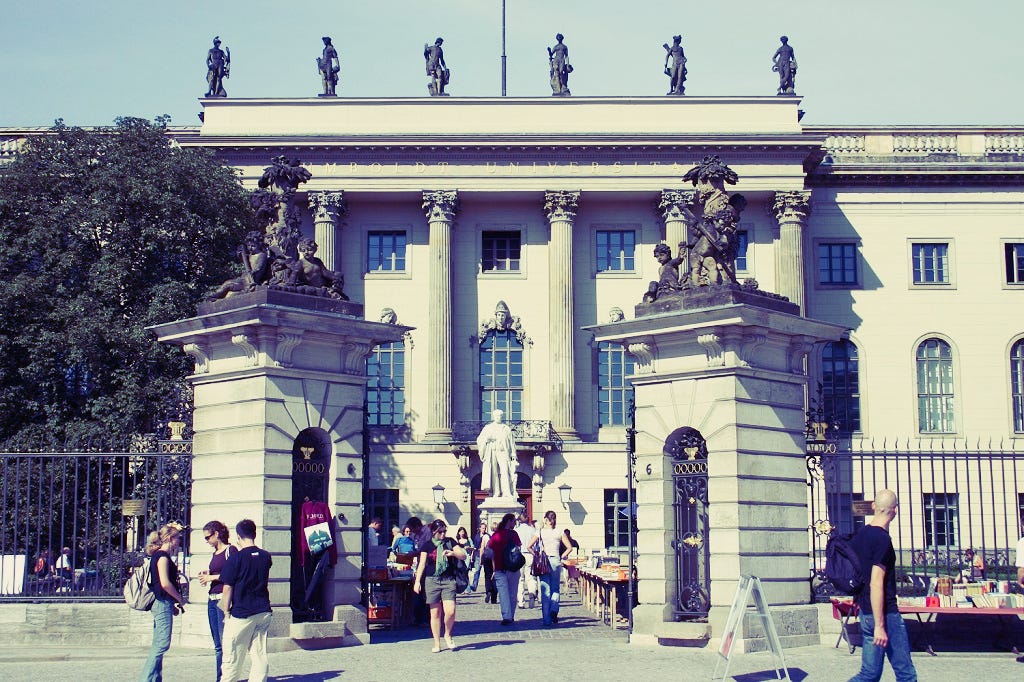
247,572
431,549
874,547
154,574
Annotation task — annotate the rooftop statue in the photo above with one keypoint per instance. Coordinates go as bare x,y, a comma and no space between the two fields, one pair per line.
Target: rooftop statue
436,68
329,66
560,68
218,67
676,72
709,253
784,62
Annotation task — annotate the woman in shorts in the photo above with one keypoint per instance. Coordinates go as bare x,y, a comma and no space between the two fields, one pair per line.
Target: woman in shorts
435,577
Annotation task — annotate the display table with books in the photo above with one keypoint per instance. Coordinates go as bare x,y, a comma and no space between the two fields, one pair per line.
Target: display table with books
970,599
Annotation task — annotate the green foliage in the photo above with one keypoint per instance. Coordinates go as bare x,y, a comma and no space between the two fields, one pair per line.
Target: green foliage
103,233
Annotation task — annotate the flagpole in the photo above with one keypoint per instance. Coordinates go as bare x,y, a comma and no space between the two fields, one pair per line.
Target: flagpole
502,48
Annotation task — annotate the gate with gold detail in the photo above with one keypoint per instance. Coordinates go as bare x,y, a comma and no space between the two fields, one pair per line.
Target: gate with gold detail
688,453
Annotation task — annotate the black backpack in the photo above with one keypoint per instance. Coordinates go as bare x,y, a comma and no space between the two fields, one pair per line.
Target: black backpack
514,559
843,566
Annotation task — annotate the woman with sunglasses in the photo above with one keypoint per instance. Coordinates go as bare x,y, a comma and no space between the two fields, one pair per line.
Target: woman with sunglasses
216,535
438,557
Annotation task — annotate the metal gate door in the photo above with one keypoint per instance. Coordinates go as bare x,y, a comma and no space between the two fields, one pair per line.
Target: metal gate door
689,456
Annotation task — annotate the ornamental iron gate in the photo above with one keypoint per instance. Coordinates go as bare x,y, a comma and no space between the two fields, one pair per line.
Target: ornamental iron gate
689,456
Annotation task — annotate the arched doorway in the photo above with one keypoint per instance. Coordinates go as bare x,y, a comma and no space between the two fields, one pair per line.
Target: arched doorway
311,465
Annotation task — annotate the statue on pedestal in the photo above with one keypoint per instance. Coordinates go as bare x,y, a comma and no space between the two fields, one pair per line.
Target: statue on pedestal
218,67
257,260
677,71
784,62
329,66
498,458
436,68
560,68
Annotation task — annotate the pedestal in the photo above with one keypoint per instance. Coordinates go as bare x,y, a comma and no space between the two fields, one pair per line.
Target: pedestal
728,363
493,508
279,385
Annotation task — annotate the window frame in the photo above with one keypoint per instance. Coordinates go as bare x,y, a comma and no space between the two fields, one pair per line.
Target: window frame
1016,386
931,504
518,231
364,264
849,396
393,234
1006,244
613,530
626,366
953,380
748,253
620,228
856,258
508,406
394,348
950,263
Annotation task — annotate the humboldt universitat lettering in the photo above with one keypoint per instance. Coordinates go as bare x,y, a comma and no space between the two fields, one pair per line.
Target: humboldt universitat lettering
495,168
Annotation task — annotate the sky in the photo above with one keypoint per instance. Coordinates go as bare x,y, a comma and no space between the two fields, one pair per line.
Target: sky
902,62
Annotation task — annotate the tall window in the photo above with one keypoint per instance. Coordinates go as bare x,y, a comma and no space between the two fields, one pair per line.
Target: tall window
385,385
616,519
840,384
1014,263
383,502
742,242
385,251
613,391
941,518
931,263
837,263
1017,385
501,251
935,387
616,250
501,375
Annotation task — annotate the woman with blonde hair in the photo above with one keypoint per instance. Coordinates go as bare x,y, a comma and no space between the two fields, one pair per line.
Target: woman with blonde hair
163,580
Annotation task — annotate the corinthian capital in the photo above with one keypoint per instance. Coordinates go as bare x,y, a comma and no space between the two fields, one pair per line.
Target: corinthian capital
561,205
674,201
791,206
440,204
327,205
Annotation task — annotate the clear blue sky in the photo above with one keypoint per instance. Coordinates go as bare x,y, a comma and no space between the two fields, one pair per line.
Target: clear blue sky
860,61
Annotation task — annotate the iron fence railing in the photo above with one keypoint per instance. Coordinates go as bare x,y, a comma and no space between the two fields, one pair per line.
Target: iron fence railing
529,430
73,524
955,504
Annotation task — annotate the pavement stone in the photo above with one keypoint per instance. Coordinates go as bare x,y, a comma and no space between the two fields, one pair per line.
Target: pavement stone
579,649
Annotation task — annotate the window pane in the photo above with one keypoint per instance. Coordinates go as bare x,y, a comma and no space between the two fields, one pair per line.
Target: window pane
385,386
839,368
501,375
615,250
935,389
614,393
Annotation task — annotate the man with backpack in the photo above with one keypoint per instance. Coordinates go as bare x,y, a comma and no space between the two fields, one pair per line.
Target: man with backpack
881,624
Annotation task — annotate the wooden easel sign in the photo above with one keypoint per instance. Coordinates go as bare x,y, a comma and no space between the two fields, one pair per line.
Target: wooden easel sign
750,585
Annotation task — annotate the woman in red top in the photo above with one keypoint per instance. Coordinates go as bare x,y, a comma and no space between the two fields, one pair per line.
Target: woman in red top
506,579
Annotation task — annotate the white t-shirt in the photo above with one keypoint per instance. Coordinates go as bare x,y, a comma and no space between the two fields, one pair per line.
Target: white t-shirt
552,539
1020,553
525,532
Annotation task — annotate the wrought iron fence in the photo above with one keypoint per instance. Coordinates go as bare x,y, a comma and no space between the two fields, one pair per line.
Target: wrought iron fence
73,524
956,503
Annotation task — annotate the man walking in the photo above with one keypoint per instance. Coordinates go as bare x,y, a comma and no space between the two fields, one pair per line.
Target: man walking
527,581
246,603
885,634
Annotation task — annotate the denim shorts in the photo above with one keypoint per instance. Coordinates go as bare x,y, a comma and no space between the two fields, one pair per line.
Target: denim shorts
439,588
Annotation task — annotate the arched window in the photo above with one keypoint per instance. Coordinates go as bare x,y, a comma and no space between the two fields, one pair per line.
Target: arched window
1017,385
501,375
385,385
613,391
935,387
840,384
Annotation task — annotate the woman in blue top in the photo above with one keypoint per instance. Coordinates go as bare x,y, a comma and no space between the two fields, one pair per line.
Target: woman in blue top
163,580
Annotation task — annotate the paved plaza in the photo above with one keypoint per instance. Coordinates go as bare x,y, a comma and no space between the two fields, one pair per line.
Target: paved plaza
579,649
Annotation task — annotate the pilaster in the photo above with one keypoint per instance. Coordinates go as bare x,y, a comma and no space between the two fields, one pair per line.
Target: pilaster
791,209
440,208
561,208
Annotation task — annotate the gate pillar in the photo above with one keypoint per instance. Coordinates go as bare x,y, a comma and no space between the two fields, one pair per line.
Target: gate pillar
720,372
271,366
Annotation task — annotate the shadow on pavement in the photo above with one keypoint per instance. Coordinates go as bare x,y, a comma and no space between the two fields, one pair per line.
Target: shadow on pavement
795,674
311,677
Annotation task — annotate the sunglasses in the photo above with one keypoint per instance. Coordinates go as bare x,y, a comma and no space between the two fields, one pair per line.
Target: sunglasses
207,537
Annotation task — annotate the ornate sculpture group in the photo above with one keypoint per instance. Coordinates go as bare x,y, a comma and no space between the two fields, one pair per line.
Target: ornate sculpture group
218,67
708,255
275,255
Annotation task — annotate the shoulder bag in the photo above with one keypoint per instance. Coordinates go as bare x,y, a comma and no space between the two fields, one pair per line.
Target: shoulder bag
540,565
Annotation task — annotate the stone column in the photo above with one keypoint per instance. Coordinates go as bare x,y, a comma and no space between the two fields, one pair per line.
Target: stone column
671,206
440,207
327,208
791,210
561,208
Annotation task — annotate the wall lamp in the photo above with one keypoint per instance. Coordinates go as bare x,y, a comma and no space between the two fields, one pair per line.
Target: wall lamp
439,496
564,493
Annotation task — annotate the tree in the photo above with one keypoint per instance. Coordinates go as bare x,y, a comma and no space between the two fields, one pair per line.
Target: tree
103,233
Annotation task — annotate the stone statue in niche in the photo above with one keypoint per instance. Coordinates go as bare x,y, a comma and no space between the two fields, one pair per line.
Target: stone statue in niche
218,67
497,448
676,72
436,68
784,62
560,68
329,66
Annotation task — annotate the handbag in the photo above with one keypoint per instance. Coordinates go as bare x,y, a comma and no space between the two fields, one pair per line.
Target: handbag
541,565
